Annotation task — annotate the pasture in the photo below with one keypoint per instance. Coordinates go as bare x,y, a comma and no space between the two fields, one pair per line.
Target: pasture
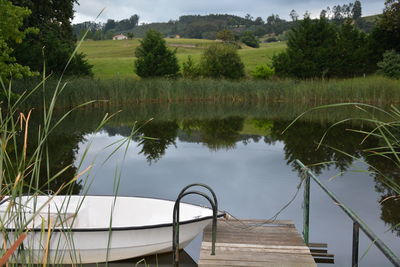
116,58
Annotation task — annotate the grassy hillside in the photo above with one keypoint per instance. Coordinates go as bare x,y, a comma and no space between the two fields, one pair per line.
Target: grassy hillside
116,58
372,18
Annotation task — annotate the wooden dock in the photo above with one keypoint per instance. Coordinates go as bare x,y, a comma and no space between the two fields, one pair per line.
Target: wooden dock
247,243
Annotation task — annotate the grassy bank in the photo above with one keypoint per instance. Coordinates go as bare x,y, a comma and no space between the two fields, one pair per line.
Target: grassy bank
115,58
120,92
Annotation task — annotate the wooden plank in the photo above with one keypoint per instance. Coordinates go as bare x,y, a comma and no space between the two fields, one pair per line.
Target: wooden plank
325,260
318,250
253,243
318,245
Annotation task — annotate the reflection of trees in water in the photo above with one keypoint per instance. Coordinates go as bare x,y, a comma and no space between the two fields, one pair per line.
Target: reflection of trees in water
388,171
164,132
301,142
216,133
153,137
60,152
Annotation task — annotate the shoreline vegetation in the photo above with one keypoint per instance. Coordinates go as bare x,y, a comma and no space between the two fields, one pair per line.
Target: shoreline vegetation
119,92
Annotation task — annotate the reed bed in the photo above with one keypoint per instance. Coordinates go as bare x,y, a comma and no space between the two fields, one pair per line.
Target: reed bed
121,92
27,170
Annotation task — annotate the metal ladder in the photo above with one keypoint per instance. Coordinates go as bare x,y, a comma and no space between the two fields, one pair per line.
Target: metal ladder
175,221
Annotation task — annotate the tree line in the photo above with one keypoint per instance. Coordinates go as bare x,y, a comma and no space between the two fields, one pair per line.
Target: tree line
189,26
316,48
207,26
105,31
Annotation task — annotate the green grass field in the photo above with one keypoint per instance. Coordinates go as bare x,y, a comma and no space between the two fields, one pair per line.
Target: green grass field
116,58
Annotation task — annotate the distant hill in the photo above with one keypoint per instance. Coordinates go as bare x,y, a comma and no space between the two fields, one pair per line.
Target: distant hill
201,26
207,26
191,26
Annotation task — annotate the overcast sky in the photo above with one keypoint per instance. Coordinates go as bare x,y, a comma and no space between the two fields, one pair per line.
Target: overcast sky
164,10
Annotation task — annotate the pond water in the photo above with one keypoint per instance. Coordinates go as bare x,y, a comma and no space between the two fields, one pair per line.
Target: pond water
240,151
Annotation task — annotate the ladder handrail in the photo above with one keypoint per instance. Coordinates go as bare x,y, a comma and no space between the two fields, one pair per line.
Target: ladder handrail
176,213
393,258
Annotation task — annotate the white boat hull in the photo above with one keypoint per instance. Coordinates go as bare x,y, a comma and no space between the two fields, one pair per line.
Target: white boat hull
82,241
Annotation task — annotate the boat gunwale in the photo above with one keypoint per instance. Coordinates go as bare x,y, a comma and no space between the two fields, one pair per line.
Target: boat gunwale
124,228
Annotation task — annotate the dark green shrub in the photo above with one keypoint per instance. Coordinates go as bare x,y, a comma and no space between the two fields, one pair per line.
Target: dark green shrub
250,40
309,50
390,65
263,72
318,48
190,69
221,61
351,54
154,59
271,40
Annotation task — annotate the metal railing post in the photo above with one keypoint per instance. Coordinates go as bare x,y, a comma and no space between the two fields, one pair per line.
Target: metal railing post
356,235
306,210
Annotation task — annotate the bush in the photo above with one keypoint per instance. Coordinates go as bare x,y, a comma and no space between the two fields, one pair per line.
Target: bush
250,40
221,61
271,40
390,65
154,59
263,72
190,69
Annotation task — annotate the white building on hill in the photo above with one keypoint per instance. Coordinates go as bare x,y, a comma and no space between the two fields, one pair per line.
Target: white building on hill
120,37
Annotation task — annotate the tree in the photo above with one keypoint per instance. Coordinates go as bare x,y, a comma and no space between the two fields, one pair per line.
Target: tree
259,21
273,19
308,50
53,19
386,34
250,40
357,10
226,36
347,10
10,33
154,58
351,52
130,35
222,61
134,20
293,14
249,18
318,48
323,13
110,25
337,13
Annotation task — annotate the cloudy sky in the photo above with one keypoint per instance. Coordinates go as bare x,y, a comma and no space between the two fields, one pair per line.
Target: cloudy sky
164,10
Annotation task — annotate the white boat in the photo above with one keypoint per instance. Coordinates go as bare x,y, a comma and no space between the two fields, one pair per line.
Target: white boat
90,229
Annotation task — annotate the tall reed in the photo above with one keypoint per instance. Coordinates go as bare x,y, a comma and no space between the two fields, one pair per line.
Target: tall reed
120,92
25,172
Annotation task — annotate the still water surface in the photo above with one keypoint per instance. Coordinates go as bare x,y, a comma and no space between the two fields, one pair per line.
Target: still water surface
241,153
